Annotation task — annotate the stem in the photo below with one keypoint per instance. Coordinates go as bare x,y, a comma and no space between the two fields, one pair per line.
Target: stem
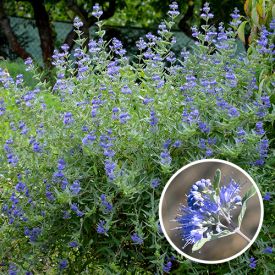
238,231
226,218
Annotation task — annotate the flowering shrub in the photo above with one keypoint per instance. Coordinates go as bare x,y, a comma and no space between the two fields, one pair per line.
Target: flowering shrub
208,214
83,163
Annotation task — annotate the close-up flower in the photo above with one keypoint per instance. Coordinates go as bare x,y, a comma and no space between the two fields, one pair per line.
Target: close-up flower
209,211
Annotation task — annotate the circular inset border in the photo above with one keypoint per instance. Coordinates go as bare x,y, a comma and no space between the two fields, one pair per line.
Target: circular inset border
171,180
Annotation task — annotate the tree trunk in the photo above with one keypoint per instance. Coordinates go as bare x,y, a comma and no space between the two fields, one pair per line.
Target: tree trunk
183,25
45,31
10,35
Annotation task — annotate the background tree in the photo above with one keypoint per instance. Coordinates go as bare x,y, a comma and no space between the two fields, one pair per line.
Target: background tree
9,35
139,13
40,11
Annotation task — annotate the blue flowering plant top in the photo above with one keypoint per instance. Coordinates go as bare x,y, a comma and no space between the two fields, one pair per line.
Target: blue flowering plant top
208,214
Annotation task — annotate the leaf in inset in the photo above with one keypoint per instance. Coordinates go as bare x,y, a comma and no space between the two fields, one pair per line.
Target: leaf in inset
222,234
217,180
198,245
250,193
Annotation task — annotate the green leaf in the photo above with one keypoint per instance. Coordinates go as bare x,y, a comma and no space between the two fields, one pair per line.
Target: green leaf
217,180
198,245
255,16
222,234
247,7
260,9
261,85
250,193
241,31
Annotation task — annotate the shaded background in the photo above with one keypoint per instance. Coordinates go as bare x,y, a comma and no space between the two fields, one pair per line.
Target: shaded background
35,27
175,195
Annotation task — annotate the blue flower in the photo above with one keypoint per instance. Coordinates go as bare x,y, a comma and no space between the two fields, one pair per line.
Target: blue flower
63,264
136,239
58,174
267,196
229,195
66,215
141,44
173,12
124,117
68,118
64,182
177,144
110,167
73,244
233,112
101,227
203,127
77,23
109,153
50,196
2,107
93,46
153,118
252,262
205,209
206,15
195,197
165,158
107,206
167,267
191,222
155,183
75,187
61,164
33,234
126,90
20,186
12,269
268,250
29,64
259,128
74,207
89,139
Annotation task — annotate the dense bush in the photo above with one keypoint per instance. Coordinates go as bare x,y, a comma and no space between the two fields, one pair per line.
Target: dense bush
83,164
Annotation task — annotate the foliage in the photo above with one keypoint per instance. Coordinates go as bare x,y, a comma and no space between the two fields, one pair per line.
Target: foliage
259,13
83,164
128,13
16,68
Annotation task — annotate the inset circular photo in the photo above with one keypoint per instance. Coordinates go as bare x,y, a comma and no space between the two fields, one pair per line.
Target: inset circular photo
211,211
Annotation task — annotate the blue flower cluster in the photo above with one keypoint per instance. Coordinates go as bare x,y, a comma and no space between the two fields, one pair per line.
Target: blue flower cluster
136,239
206,210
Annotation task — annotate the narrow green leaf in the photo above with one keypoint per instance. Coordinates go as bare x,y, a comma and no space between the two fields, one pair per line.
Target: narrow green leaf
261,85
247,7
260,10
241,31
250,193
198,245
255,16
217,180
